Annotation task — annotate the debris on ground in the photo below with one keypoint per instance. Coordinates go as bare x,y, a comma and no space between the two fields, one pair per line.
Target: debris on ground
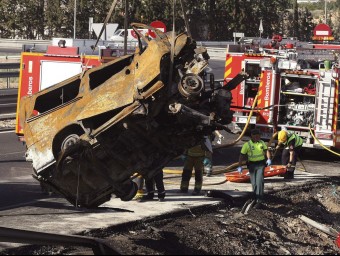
276,229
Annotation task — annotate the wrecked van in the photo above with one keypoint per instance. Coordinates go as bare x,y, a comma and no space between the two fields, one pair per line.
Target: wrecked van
88,135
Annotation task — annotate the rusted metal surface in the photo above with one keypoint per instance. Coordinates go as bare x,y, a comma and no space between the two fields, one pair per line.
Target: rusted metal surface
88,135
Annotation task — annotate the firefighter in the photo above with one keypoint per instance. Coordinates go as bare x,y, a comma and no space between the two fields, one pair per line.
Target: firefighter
254,152
195,157
150,184
292,144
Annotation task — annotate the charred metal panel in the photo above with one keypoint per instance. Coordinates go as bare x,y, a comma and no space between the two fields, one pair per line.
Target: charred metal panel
131,115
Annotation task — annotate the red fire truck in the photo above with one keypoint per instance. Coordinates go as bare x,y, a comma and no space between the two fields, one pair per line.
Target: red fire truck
45,65
295,88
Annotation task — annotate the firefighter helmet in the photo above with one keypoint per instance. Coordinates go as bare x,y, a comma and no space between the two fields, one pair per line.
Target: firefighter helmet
282,136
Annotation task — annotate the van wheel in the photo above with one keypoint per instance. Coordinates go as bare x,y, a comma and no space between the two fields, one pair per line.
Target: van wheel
69,141
66,138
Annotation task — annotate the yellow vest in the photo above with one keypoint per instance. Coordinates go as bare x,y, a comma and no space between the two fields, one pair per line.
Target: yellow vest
298,140
255,151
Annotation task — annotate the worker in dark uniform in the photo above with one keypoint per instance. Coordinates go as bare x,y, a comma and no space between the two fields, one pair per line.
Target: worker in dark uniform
292,144
254,152
150,184
195,157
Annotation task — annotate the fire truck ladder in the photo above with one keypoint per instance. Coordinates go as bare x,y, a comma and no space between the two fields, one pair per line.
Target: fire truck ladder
325,105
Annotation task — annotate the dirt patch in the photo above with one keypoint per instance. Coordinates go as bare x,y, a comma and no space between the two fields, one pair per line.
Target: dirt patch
221,229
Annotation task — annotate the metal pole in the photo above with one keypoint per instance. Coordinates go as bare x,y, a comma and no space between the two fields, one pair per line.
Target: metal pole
126,25
325,11
8,85
90,26
74,19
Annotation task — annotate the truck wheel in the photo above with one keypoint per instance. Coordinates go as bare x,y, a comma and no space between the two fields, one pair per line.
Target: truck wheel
131,194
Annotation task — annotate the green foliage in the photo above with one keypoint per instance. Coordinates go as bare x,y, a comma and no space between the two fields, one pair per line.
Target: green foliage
208,19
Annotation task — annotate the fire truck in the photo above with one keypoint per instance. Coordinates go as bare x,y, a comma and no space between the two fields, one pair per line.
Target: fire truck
290,87
45,65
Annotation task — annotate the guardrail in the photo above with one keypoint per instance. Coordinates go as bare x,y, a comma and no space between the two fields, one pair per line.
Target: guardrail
8,103
18,43
10,72
15,45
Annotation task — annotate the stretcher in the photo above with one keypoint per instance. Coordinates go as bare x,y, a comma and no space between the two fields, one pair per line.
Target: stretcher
269,171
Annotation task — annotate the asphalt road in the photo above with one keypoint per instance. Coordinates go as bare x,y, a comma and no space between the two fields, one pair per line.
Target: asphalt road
16,183
18,186
24,206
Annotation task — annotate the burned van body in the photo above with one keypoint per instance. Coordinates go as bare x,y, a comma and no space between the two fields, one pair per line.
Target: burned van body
88,135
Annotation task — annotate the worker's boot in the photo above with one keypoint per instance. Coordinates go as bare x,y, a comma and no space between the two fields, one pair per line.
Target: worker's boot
138,197
184,186
289,175
161,196
148,197
197,188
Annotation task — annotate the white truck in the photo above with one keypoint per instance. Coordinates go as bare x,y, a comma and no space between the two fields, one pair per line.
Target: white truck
119,34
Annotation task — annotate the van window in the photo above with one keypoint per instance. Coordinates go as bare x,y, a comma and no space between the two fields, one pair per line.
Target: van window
100,76
57,97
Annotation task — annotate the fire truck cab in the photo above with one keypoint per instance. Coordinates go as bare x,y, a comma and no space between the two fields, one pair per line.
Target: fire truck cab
288,87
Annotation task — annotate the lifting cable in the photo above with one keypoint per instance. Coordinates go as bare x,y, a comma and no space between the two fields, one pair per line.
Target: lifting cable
113,6
172,49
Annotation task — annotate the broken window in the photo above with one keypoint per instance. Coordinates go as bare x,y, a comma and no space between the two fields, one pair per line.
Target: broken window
57,97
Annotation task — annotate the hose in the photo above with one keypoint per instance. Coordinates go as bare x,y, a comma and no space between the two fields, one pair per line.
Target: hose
322,145
229,168
244,129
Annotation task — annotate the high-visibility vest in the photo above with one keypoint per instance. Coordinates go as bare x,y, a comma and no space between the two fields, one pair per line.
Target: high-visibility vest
298,140
255,151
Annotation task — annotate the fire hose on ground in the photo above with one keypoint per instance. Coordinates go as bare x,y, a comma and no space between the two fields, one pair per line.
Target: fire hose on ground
233,166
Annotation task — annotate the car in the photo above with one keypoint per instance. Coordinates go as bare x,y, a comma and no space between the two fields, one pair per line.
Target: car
88,136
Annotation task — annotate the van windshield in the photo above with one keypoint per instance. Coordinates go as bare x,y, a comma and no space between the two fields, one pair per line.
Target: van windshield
117,32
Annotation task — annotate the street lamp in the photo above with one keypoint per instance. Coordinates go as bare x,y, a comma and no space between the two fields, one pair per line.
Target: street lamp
74,19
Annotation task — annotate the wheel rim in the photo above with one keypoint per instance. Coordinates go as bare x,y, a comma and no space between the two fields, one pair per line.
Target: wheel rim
69,141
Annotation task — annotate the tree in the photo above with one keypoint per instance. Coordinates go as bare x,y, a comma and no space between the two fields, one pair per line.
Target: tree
208,19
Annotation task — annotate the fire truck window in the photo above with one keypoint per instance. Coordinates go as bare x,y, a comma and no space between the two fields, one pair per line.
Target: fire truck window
254,71
98,77
57,97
